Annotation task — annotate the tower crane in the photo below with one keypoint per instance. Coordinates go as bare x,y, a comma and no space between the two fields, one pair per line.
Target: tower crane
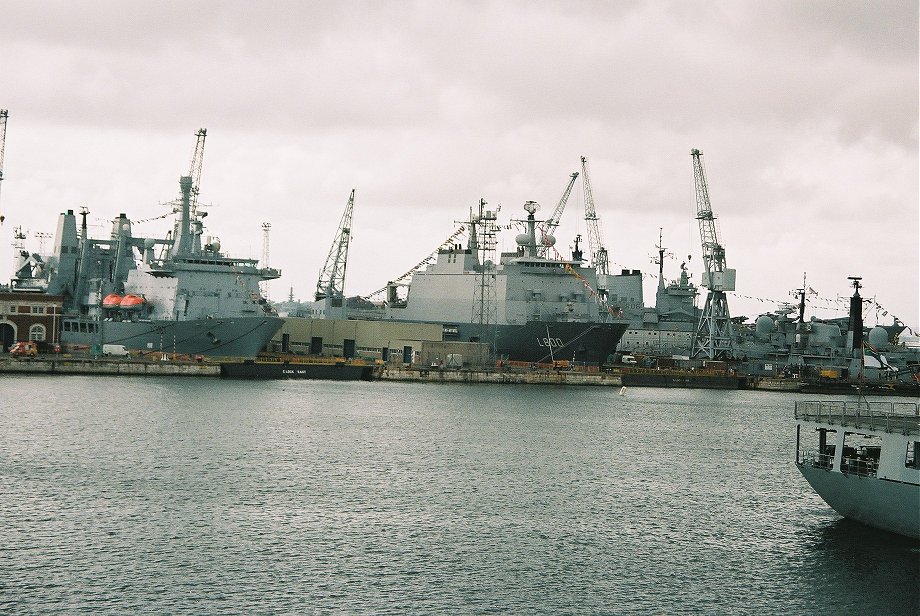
4,114
548,227
714,335
595,243
331,283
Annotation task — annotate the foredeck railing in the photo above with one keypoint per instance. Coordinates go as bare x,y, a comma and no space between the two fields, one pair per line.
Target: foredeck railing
903,417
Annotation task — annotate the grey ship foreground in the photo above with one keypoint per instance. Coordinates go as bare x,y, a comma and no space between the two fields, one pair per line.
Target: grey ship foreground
527,307
863,459
190,299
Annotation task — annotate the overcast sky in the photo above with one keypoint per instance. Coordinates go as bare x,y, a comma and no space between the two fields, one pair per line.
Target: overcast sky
806,112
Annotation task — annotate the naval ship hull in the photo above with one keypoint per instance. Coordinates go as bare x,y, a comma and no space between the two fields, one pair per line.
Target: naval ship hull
217,337
880,503
539,341
863,458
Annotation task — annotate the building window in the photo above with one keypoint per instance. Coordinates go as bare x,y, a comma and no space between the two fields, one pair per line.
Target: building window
38,310
13,309
37,333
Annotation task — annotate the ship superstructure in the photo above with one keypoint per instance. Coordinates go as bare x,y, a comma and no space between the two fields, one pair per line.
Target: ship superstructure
528,307
178,294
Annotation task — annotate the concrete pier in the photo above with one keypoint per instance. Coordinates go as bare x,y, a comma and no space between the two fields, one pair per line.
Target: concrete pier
529,377
64,365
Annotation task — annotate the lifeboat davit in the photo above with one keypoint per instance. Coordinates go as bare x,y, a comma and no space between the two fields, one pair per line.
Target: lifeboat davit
132,302
112,300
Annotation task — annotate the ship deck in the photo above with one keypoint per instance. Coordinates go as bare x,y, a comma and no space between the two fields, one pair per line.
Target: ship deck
901,417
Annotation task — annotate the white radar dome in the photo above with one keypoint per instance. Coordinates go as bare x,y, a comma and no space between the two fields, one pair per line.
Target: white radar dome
523,239
878,337
763,326
549,240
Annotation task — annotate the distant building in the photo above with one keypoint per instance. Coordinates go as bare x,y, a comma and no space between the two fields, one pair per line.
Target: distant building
29,316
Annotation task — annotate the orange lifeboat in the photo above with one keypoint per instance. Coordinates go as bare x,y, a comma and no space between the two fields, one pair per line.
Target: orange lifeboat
132,302
112,300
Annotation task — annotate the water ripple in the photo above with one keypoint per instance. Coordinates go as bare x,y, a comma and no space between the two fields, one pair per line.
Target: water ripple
194,496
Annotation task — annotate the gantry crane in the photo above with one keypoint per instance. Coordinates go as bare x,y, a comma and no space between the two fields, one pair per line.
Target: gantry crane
595,243
548,227
4,114
331,283
714,335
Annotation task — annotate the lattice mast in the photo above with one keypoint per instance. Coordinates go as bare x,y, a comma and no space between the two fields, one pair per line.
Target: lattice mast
549,227
4,114
715,334
484,240
595,241
266,228
331,283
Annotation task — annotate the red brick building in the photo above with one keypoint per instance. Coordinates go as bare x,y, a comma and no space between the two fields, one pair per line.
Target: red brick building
29,316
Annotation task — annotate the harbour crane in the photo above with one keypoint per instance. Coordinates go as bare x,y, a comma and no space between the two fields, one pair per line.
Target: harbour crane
187,231
595,243
195,169
331,283
714,335
549,227
4,114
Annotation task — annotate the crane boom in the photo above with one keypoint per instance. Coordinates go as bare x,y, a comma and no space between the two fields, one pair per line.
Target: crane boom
331,283
595,243
195,168
713,252
548,227
4,114
715,334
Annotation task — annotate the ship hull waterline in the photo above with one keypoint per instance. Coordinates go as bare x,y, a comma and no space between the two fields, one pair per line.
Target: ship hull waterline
542,342
880,503
216,337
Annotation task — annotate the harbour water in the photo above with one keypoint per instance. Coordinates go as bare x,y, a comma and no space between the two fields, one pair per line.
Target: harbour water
203,496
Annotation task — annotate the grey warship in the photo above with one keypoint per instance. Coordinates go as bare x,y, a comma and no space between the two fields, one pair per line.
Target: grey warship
177,295
527,307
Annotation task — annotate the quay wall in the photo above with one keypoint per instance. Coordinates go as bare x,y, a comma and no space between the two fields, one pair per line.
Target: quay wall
106,367
539,377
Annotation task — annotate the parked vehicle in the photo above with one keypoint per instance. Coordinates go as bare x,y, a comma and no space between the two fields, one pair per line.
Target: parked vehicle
115,350
24,349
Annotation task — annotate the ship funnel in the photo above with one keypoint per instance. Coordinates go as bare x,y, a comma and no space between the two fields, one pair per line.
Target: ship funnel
183,241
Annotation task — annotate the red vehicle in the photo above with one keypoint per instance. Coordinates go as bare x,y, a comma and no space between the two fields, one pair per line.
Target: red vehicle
33,348
24,349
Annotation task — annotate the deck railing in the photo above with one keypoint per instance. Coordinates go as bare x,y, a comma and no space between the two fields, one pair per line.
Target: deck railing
903,417
849,465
